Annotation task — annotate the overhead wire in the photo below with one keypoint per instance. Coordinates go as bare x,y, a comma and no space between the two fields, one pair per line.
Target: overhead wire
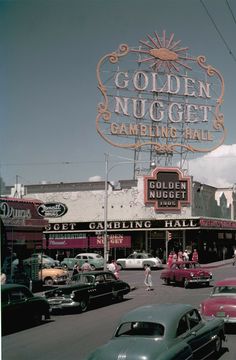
218,31
231,11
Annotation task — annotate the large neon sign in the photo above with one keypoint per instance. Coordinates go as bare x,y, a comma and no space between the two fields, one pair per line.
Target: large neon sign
169,100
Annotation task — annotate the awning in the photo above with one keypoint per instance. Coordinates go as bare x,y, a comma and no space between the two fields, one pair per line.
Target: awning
79,243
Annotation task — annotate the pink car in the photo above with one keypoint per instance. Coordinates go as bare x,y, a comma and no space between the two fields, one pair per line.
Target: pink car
222,302
186,273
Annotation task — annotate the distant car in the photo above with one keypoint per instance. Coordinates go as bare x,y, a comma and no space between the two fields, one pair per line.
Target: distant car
42,259
222,301
87,288
139,261
53,276
46,275
186,273
20,306
96,261
163,332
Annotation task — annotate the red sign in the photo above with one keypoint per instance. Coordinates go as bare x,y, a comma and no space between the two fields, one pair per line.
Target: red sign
80,243
114,241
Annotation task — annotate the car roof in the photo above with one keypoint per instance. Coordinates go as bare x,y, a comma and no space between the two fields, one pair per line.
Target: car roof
166,314
7,287
226,282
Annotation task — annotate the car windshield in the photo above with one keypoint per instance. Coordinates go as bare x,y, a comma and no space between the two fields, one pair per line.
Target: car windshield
83,279
224,290
140,328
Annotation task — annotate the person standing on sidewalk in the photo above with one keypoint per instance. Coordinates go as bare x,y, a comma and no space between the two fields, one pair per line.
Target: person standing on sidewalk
234,257
148,278
195,255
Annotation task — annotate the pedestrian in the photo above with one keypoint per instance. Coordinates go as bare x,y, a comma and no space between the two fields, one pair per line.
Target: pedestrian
180,255
148,278
86,266
114,268
195,255
170,260
185,255
234,257
76,269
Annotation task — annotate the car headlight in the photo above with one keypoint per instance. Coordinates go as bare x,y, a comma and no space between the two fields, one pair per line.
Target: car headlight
72,296
192,274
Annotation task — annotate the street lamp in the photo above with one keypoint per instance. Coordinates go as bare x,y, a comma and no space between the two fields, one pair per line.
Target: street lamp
107,170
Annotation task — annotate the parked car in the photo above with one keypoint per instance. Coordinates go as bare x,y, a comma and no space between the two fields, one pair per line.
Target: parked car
46,275
222,301
42,259
163,332
186,273
87,288
96,261
139,260
53,276
20,307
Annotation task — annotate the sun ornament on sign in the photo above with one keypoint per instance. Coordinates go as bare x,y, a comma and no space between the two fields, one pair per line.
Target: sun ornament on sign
163,53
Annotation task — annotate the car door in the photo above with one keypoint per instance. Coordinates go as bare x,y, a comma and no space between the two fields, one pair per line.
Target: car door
103,287
17,304
197,335
131,261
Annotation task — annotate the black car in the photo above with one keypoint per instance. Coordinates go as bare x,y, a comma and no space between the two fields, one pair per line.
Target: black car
21,307
86,288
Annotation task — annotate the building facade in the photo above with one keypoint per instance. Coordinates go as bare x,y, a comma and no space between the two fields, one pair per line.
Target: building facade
76,220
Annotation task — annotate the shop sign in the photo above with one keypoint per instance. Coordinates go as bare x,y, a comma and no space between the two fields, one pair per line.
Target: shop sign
156,94
167,189
114,241
52,210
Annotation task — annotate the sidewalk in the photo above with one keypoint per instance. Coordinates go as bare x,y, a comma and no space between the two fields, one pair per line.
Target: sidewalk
218,264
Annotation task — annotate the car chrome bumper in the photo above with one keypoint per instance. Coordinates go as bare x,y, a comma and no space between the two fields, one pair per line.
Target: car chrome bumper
199,280
227,319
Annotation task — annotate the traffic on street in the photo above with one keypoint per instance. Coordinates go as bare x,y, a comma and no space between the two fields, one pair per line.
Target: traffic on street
77,334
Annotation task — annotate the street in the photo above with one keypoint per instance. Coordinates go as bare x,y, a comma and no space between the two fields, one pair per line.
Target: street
74,336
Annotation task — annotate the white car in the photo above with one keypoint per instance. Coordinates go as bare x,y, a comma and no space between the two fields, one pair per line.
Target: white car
139,261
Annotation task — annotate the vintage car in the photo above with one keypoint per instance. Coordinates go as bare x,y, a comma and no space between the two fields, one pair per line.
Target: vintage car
139,260
46,275
222,301
53,276
163,332
39,258
21,307
87,288
96,261
186,273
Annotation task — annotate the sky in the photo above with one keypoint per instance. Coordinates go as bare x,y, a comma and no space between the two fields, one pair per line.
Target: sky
49,90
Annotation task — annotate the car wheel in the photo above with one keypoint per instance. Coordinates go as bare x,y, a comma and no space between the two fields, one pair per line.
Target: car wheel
117,295
186,283
84,304
166,281
48,281
93,267
37,318
218,344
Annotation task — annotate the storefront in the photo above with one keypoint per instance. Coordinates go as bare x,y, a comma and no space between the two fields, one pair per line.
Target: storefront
23,226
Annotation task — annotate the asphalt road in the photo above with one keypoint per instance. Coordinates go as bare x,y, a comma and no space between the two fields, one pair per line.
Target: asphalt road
73,336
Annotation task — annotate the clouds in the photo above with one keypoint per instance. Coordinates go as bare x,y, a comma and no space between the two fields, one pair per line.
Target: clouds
217,168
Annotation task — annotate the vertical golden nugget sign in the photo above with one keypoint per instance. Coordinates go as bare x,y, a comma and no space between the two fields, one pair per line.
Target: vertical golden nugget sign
167,189
157,94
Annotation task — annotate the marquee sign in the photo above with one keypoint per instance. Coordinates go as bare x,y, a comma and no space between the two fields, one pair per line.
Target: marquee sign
158,94
52,210
167,189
